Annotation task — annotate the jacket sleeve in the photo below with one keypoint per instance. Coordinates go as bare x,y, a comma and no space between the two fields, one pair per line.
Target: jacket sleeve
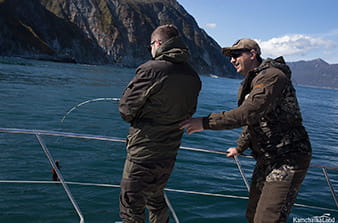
266,90
243,141
135,95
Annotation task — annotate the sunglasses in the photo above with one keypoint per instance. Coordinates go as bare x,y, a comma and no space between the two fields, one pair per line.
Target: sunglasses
237,53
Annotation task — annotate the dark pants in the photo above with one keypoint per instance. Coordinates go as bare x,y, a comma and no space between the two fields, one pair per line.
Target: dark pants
142,187
273,191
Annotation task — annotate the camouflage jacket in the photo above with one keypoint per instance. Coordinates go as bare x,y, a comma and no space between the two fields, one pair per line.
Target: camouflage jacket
268,111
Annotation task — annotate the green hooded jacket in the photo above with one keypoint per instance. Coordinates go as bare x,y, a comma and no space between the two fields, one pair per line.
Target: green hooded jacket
163,93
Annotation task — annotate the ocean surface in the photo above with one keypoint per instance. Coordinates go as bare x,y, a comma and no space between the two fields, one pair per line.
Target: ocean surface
37,95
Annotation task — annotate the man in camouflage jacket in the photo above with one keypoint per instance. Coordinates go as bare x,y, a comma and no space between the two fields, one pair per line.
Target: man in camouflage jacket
270,116
162,94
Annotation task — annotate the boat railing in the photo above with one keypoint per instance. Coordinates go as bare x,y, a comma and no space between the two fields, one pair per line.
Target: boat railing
39,133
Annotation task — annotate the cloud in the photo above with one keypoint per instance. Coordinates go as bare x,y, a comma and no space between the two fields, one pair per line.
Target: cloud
333,33
211,25
294,44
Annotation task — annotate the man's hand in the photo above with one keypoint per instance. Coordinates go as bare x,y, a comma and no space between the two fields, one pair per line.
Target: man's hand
232,152
192,125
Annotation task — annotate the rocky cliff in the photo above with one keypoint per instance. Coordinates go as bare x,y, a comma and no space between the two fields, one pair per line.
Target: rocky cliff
102,31
29,30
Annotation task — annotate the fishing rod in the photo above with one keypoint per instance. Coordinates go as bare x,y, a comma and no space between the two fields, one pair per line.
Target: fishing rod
86,102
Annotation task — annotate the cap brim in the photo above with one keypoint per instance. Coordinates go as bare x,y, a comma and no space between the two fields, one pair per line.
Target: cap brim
226,51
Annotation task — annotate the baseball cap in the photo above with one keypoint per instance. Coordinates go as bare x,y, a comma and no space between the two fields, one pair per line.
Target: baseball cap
242,44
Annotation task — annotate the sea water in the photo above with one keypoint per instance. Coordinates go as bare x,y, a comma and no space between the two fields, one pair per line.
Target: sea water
37,95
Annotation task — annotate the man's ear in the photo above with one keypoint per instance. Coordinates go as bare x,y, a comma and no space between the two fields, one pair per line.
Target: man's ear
253,54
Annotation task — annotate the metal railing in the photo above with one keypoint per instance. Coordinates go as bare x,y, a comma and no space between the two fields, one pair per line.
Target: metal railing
64,183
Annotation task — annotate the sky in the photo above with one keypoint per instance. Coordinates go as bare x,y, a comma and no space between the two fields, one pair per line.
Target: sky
295,29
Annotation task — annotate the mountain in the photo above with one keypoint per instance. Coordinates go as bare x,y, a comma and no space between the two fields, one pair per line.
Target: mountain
101,32
29,30
315,73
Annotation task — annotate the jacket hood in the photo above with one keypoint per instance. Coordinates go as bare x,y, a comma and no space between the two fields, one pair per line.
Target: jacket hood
173,50
278,63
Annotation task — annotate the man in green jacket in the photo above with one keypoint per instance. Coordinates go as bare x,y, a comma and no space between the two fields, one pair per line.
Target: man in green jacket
270,116
162,94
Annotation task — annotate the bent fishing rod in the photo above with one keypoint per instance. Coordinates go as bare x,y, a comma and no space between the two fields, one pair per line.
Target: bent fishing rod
86,102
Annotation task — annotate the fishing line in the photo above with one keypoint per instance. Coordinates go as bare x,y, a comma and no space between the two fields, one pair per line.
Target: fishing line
86,102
